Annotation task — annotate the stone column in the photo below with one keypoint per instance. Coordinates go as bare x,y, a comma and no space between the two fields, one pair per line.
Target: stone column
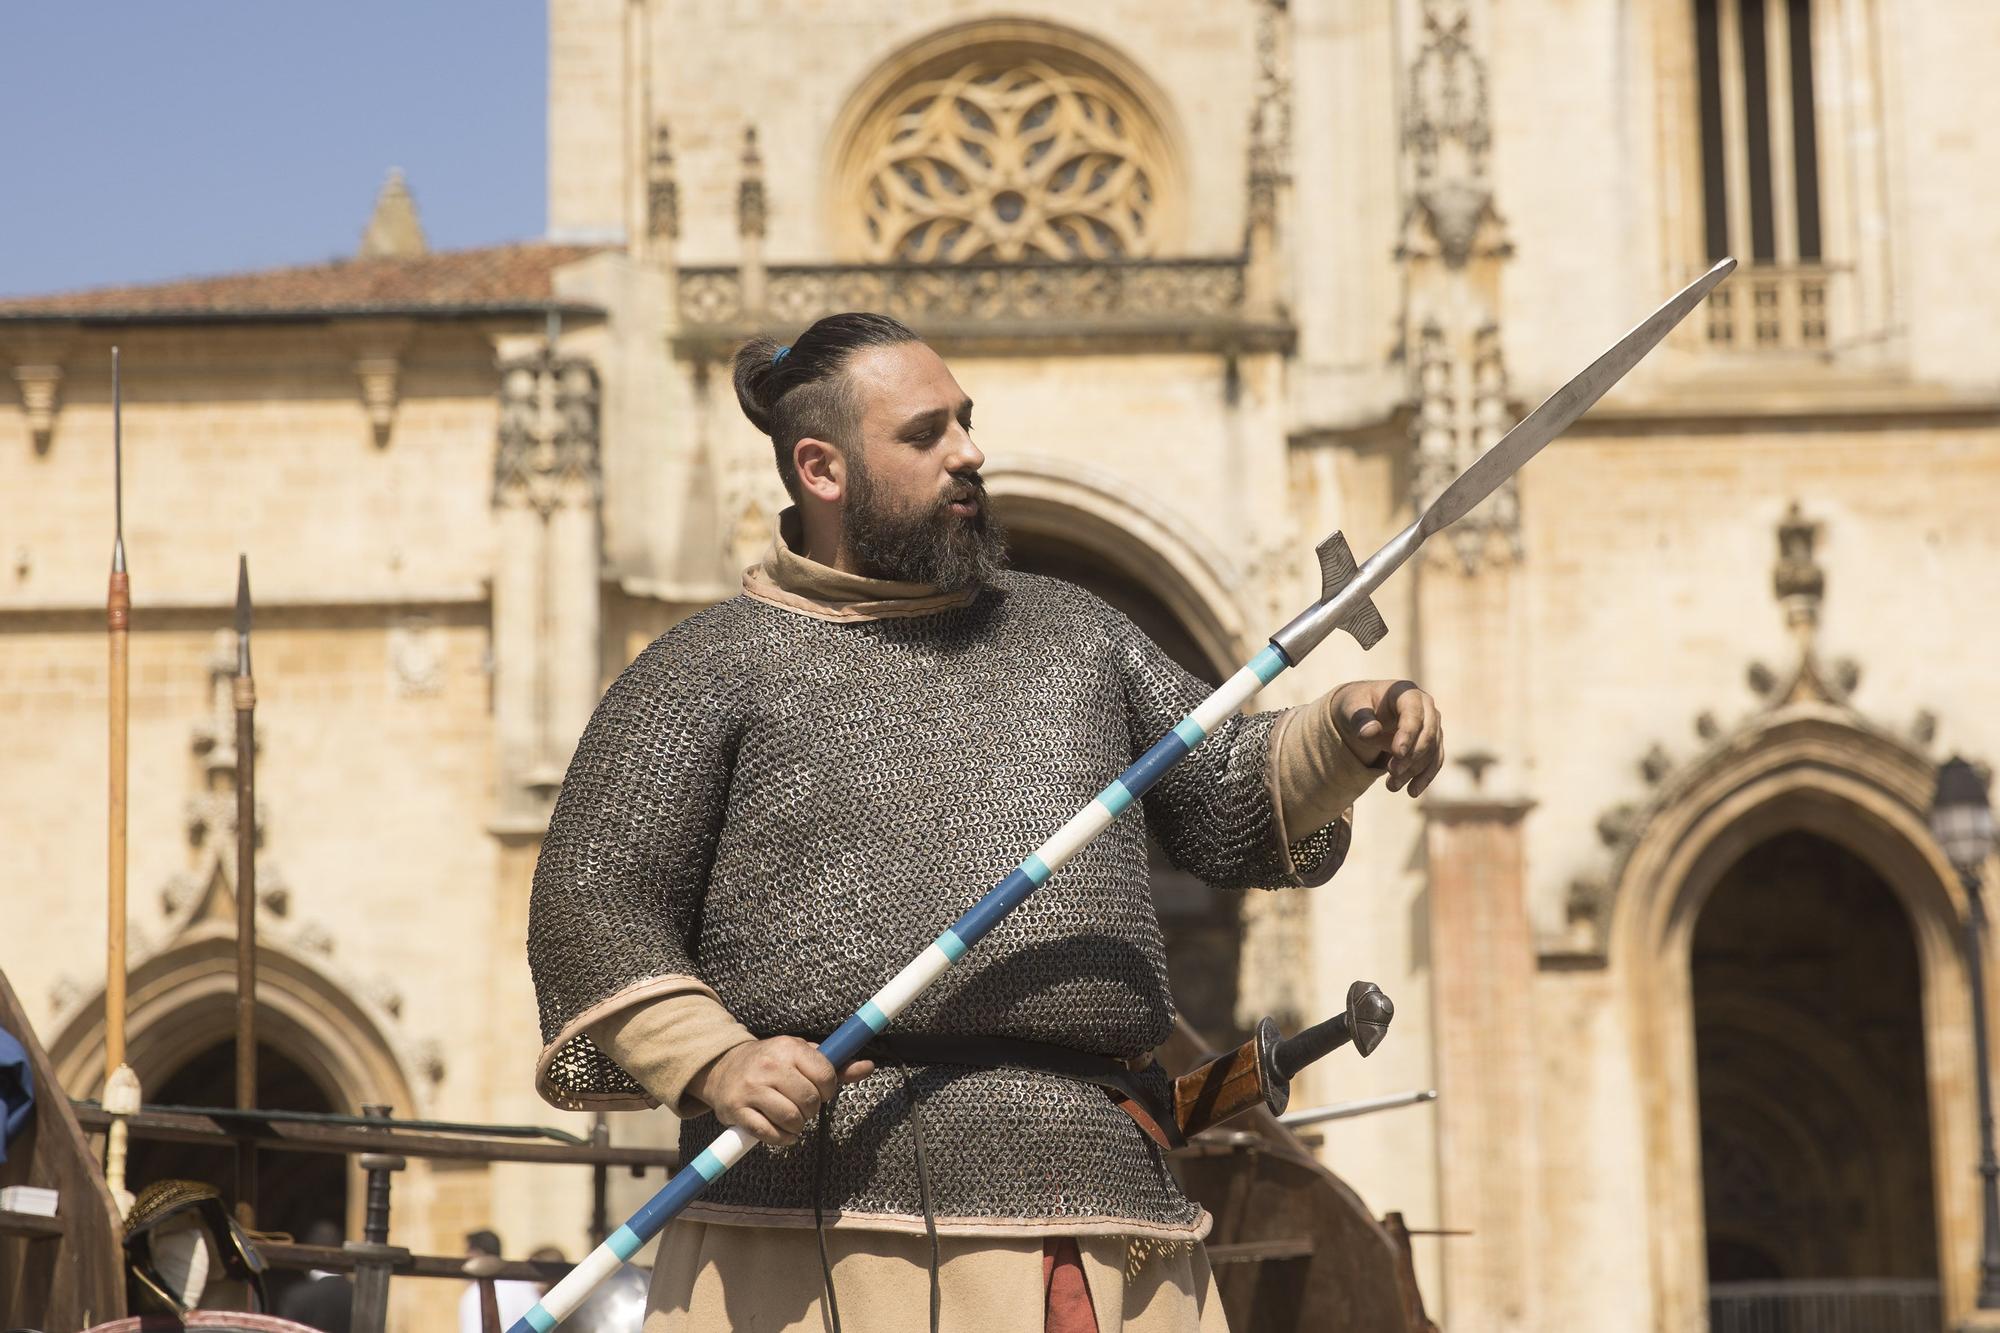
1483,965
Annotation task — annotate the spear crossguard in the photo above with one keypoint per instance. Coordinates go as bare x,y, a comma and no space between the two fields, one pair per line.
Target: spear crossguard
1343,604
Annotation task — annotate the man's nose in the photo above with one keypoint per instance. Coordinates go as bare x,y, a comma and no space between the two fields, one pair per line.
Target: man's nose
965,455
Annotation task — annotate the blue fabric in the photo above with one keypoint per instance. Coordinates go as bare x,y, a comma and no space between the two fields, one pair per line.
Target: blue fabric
17,1091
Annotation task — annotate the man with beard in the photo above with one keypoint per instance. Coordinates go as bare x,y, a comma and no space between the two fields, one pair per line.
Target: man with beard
782,800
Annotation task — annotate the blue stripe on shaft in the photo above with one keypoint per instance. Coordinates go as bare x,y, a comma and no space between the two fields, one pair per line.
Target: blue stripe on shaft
678,1193
1190,731
538,1319
708,1165
1036,869
951,945
1115,798
847,1041
625,1242
1001,899
1148,768
873,1016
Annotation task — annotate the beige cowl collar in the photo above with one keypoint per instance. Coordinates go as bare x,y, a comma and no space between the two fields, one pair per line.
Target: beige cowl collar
786,578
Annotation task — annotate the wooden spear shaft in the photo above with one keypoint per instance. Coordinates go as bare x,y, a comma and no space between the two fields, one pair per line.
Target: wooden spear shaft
244,694
121,1084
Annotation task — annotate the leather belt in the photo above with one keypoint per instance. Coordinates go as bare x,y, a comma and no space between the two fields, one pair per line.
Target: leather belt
1117,1078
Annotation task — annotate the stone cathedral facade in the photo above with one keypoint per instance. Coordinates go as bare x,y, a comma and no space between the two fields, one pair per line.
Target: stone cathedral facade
1669,937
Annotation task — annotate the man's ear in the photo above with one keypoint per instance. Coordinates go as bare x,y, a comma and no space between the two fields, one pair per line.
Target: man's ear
821,469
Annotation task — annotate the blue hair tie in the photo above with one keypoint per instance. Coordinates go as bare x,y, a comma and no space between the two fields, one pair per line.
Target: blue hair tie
779,355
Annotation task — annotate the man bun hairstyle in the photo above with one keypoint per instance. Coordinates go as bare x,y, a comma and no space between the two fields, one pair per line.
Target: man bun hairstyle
800,390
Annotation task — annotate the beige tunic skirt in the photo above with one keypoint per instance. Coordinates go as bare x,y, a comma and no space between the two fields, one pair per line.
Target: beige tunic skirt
730,1279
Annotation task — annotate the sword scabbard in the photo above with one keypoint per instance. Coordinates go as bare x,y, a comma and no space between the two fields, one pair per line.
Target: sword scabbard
1231,1084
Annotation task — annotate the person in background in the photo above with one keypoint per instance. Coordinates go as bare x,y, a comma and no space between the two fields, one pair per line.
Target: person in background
548,1254
514,1297
325,1300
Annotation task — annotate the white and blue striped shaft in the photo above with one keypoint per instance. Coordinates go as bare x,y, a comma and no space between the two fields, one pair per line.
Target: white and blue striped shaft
1288,648
732,1145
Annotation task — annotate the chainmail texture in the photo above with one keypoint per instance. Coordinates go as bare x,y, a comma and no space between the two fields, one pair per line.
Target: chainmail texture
788,810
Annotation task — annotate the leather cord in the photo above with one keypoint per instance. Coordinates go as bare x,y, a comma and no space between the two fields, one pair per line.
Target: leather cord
910,1095
821,1135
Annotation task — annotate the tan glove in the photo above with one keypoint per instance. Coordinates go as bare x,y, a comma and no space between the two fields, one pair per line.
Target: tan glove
665,1044
1316,776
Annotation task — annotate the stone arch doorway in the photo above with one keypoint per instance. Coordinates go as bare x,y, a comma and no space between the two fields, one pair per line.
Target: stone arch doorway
1815,772
319,1044
1203,929
1815,1124
294,1190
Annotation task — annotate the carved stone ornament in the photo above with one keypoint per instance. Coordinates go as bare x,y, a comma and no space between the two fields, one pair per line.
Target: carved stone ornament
663,191
1006,156
1450,429
1270,115
1811,688
548,446
416,657
1447,133
751,211
379,393
41,393
1452,343
1143,294
1800,585
207,885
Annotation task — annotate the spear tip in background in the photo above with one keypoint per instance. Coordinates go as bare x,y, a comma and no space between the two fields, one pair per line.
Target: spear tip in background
242,614
117,469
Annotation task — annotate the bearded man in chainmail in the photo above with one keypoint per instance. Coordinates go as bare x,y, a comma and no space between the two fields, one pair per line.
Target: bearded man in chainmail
783,799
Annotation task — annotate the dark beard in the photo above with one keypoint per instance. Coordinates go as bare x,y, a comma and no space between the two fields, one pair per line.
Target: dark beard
932,545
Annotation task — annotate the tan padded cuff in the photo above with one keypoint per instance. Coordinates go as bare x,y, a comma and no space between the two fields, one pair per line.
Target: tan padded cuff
663,1045
1316,776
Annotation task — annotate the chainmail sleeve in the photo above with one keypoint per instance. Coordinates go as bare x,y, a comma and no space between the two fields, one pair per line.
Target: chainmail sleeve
1215,811
624,868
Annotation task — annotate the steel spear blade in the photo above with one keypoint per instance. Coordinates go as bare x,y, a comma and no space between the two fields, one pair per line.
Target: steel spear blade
242,614
1565,405
1344,598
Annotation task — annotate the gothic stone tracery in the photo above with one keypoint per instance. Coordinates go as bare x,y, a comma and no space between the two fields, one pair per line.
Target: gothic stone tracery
1008,156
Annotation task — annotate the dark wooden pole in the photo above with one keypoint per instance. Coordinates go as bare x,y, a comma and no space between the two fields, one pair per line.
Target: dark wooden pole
244,693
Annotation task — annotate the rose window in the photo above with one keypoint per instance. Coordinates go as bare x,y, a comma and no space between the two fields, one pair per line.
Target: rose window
1007,158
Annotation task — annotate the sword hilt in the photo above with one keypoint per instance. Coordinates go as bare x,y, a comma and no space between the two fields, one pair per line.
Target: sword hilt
1365,1023
1260,1071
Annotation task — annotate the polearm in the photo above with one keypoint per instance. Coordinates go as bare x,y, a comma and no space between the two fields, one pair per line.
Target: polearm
121,1084
243,692
1343,604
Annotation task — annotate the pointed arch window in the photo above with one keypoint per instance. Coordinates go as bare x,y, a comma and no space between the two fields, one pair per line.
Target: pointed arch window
1760,170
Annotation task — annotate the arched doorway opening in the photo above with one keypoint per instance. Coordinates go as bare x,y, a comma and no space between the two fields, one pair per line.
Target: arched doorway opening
323,1046
1812,1096
294,1190
1203,929
1859,794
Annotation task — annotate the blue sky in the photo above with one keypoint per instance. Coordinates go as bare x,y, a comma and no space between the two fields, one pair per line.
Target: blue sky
176,138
